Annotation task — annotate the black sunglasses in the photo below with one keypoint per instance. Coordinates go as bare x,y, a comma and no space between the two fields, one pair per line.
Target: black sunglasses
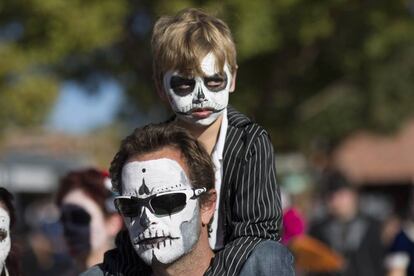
74,214
159,204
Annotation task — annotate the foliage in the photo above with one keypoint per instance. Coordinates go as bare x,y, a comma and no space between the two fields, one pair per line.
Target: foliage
37,38
308,70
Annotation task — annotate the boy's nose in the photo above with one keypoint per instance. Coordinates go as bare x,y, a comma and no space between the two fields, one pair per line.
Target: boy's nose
200,97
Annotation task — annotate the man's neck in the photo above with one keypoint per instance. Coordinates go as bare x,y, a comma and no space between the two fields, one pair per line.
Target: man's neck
207,135
194,263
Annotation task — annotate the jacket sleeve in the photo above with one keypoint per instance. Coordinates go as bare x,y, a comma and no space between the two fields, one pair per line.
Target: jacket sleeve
256,207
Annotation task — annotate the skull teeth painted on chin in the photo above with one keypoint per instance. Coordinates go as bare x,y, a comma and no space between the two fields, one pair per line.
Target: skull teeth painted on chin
149,240
160,243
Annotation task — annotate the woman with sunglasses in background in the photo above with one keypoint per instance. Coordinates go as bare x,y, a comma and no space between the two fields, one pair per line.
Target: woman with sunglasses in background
8,256
89,219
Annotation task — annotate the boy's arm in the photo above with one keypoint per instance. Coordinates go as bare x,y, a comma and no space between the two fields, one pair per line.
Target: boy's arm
256,211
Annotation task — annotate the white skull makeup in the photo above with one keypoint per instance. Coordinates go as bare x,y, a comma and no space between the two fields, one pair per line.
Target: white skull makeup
200,100
160,231
4,237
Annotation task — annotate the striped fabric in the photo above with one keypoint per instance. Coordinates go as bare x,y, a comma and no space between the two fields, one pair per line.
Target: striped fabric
250,198
250,204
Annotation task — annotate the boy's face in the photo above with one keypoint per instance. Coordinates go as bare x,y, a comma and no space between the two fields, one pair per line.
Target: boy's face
199,99
163,222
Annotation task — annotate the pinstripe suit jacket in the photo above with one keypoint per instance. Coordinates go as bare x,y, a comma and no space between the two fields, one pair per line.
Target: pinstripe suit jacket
250,204
250,199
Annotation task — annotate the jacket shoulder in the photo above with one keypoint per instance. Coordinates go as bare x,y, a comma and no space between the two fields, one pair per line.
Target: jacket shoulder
93,271
238,120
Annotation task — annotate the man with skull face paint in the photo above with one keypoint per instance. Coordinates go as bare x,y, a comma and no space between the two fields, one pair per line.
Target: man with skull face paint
165,179
194,62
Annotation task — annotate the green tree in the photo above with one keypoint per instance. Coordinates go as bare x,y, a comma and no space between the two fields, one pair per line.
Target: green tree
308,70
38,39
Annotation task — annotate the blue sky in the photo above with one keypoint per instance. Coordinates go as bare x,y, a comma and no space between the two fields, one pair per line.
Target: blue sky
78,112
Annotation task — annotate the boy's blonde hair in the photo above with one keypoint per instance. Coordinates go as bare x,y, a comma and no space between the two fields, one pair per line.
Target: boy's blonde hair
179,42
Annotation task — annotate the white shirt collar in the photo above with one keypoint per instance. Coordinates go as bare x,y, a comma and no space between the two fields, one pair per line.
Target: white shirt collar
219,146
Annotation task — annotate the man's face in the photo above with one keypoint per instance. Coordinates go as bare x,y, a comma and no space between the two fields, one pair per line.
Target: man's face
4,235
201,99
161,232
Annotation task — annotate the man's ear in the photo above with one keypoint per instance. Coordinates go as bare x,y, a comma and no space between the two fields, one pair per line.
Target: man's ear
208,207
233,81
114,224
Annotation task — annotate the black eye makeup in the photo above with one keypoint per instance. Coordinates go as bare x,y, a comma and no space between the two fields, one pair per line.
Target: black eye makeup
216,83
182,86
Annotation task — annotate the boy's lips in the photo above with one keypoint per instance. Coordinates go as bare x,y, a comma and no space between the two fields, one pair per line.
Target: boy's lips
201,113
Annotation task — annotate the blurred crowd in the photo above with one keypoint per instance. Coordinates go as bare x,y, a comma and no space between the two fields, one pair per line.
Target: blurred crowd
62,233
333,229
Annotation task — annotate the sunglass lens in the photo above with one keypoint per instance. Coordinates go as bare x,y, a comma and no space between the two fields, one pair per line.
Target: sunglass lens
127,207
74,214
168,204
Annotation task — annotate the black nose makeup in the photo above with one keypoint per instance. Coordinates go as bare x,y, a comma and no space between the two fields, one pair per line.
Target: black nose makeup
144,220
200,95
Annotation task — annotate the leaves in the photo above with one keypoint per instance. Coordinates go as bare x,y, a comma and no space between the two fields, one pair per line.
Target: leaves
308,70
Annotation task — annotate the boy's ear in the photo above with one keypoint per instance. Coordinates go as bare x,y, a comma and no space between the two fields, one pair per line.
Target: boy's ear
208,208
233,81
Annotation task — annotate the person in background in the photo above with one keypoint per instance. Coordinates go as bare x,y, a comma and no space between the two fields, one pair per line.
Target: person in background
9,259
400,257
90,221
348,231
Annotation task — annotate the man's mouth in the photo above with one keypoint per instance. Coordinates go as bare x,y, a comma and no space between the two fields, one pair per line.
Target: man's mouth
156,242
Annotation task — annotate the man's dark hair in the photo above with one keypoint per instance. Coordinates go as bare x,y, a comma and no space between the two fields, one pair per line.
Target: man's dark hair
154,137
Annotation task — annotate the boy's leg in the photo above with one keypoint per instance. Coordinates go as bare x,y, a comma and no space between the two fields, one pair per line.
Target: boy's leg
269,258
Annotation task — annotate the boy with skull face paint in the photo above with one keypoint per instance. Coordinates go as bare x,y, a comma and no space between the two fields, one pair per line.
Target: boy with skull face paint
165,181
194,64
